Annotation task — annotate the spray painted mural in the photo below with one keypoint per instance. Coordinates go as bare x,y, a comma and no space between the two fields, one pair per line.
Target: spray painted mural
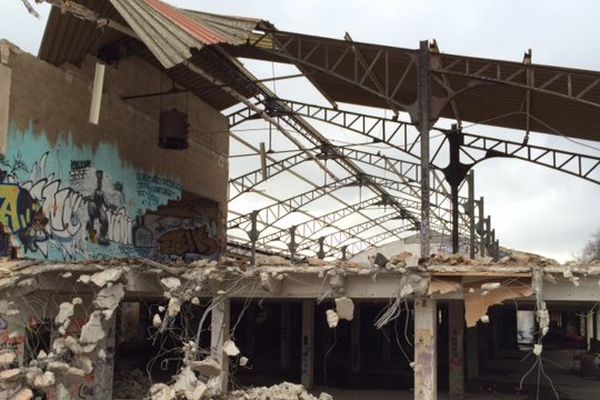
66,202
175,238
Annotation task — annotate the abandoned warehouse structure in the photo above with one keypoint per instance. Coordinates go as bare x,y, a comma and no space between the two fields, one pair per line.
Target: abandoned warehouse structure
138,263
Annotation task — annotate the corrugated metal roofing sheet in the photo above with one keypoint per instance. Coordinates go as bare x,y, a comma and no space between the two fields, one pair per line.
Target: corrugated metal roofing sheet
171,36
478,101
171,33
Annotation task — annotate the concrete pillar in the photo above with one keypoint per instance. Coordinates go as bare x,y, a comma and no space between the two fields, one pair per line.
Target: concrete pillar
597,314
285,332
219,334
425,349
456,362
472,353
308,343
104,369
589,327
355,341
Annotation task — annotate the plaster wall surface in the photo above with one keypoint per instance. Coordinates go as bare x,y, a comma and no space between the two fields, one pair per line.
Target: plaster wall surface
66,183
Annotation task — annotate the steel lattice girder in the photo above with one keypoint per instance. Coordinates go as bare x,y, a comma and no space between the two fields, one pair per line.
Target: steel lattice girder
379,129
580,165
388,183
313,135
244,183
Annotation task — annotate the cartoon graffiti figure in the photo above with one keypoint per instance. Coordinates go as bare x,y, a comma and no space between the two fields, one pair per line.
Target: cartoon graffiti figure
36,232
97,205
22,215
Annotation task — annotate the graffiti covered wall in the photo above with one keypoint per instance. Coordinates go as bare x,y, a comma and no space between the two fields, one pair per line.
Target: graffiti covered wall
61,201
169,238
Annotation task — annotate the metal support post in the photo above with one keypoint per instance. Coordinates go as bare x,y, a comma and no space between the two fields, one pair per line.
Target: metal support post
481,228
488,234
471,210
455,174
292,246
344,253
253,235
423,102
321,253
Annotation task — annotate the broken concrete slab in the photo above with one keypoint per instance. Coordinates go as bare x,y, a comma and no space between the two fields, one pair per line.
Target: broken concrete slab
171,283
102,278
332,318
92,331
44,380
230,348
344,307
109,298
207,367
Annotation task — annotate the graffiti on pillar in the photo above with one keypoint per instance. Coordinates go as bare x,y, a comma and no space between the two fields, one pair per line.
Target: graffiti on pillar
62,201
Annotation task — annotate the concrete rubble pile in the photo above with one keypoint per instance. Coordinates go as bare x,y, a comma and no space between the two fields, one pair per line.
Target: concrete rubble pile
70,358
283,391
507,257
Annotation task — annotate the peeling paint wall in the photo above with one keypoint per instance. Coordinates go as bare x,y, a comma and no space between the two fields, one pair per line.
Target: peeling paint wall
68,202
72,190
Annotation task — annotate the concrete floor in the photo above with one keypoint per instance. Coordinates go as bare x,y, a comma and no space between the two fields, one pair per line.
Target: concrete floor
348,394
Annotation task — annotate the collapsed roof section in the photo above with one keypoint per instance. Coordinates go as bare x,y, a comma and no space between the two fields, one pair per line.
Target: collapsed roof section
165,35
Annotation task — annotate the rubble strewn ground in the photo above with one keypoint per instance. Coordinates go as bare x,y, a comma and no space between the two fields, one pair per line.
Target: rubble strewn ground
130,384
283,391
73,356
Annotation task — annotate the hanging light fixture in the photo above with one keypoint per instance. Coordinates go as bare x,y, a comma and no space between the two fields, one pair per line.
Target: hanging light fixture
173,130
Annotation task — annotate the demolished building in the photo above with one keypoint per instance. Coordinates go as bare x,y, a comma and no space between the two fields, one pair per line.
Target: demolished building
126,274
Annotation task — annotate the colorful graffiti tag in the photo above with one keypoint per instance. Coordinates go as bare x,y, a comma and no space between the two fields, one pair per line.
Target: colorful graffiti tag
178,238
66,202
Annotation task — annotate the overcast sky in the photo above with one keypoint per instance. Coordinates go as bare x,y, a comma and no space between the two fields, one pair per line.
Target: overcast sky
533,208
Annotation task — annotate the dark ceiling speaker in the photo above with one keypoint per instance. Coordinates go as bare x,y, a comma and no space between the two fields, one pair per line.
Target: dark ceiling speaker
173,130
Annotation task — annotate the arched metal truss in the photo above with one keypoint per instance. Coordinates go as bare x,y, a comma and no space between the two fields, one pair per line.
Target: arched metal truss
418,174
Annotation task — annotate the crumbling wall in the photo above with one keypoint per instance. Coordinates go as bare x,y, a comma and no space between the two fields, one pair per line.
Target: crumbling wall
74,190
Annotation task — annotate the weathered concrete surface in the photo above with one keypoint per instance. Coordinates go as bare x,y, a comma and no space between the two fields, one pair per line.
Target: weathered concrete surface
5,83
57,100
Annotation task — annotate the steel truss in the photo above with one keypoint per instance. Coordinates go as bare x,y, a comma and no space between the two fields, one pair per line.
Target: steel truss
391,131
299,50
475,147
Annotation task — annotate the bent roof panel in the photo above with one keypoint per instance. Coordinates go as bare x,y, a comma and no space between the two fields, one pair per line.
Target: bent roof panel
171,36
564,101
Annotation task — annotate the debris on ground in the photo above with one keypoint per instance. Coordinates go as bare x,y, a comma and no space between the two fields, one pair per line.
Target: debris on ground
282,391
130,384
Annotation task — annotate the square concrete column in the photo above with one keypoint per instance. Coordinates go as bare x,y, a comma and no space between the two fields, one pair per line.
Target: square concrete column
104,369
425,366
355,341
285,332
219,334
597,316
456,361
473,353
308,343
589,328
